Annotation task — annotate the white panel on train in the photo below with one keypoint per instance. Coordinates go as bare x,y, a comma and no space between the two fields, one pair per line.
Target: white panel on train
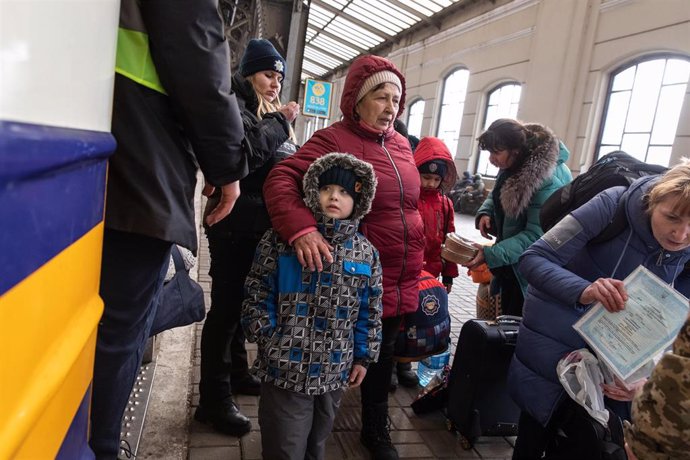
61,72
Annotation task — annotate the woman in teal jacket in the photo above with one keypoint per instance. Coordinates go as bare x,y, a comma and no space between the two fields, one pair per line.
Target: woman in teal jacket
531,162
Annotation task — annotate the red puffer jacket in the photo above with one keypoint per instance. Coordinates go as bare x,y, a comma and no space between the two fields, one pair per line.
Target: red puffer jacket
393,225
437,210
438,216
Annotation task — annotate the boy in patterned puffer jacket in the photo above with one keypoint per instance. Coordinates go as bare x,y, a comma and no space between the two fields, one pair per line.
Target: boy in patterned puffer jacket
316,331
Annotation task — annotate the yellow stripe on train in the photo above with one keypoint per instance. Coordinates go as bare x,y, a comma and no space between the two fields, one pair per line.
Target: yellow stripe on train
44,379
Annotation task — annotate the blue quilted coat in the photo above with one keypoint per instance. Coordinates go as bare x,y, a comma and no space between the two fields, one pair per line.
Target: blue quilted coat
559,267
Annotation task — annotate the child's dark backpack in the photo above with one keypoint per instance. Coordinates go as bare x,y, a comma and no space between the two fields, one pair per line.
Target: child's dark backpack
425,332
612,170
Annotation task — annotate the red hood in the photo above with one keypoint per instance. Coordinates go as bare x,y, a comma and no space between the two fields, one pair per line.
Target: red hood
433,148
361,69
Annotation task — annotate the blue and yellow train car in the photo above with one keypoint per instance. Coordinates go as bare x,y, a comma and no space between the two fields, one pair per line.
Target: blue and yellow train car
56,80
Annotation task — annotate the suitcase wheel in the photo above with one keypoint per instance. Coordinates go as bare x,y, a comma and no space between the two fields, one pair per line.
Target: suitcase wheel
465,442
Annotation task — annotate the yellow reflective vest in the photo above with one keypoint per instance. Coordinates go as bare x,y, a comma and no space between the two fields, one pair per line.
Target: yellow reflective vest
133,55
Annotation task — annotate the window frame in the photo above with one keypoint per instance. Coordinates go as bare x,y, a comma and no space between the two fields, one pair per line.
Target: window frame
452,71
486,116
611,75
409,114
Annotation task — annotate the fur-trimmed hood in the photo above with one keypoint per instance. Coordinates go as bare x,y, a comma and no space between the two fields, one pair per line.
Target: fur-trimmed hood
362,169
538,166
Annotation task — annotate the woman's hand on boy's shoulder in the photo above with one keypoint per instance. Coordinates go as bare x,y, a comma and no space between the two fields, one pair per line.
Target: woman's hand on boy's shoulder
357,375
311,248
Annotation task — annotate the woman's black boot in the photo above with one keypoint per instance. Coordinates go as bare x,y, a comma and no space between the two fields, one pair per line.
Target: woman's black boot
376,432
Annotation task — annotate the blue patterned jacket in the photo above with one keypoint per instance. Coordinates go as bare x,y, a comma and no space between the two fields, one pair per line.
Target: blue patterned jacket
312,327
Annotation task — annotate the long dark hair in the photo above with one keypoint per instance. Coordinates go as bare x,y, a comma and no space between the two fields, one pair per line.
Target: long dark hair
504,134
508,134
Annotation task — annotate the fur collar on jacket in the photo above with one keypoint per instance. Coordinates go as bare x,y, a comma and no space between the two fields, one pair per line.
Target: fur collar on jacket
361,169
541,161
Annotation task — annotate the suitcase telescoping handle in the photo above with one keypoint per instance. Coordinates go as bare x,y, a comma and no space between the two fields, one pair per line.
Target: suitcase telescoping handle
508,319
509,336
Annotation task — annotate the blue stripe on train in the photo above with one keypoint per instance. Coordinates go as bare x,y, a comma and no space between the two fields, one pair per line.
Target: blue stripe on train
75,445
52,187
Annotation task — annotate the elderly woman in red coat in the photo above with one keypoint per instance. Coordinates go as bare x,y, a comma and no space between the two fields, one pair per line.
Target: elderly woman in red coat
373,97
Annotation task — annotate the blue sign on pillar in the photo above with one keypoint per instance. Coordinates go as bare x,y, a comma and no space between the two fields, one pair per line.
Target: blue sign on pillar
317,98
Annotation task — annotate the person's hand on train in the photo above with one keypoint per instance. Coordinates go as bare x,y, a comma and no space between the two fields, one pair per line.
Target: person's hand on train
485,226
310,248
290,110
228,196
610,292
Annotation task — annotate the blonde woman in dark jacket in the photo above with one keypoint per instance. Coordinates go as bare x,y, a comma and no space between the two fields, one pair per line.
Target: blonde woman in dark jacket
268,138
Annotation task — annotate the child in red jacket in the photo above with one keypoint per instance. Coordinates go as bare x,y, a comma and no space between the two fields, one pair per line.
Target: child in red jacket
438,175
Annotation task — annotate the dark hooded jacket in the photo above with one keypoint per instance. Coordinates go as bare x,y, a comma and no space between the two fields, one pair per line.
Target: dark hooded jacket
436,209
517,198
559,267
163,138
312,326
393,226
266,142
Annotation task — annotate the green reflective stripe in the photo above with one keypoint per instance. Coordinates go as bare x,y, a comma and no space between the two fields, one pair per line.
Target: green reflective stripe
134,59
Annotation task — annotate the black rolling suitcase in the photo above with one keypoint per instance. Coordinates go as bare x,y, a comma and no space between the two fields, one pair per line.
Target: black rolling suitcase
478,401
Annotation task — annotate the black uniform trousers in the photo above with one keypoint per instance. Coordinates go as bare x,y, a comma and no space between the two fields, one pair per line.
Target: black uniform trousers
223,351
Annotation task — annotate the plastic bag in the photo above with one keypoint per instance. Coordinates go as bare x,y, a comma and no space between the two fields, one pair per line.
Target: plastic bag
581,376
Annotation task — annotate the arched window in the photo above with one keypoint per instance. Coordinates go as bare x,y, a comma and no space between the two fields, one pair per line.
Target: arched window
503,102
643,107
452,105
415,117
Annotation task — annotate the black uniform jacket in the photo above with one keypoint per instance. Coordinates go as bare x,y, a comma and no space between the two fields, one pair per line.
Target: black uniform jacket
163,139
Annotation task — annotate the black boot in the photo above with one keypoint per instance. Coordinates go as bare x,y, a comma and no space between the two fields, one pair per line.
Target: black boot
224,417
406,376
376,432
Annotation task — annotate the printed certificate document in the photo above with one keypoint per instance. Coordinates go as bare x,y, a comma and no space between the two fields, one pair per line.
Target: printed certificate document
627,340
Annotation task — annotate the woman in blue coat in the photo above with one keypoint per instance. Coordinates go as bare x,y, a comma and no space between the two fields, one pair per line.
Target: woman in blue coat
567,274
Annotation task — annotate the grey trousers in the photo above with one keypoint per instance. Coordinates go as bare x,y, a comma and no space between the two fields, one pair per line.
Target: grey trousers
295,426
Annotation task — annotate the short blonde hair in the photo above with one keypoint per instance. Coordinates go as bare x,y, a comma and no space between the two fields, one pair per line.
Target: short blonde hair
675,184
